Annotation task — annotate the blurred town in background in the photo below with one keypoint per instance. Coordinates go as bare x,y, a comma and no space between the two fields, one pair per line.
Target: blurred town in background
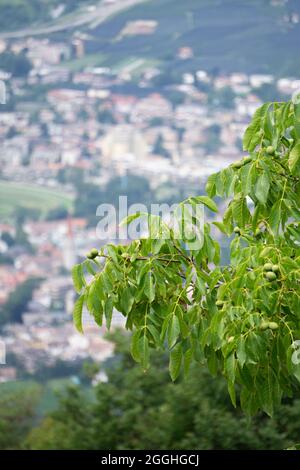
105,101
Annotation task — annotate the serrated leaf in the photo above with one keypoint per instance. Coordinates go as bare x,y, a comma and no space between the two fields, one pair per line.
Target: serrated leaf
262,188
294,158
149,286
187,359
77,276
240,211
297,110
230,367
254,132
130,218
275,216
143,347
93,303
211,185
265,393
207,201
246,178
221,227
112,251
232,394
241,352
135,351
108,311
154,333
77,313
173,330
127,300
175,361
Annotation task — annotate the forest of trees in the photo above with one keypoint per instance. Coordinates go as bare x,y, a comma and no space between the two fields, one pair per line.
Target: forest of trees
138,410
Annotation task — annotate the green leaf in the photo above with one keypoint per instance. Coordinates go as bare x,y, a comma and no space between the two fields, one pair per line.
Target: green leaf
132,217
262,188
232,394
135,350
77,313
155,334
265,392
149,286
187,359
240,211
88,265
221,227
108,311
254,132
173,330
78,278
93,303
294,158
127,300
275,216
297,111
207,201
241,352
175,361
229,367
113,252
143,347
211,185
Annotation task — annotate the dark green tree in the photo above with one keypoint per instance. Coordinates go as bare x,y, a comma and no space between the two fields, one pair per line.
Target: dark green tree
138,410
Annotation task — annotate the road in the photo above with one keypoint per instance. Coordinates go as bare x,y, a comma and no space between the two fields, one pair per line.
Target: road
98,16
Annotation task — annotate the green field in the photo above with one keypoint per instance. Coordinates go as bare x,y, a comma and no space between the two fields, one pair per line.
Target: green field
21,195
90,60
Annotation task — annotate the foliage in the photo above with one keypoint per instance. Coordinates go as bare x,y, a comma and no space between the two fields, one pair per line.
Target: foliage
16,64
17,410
134,410
241,319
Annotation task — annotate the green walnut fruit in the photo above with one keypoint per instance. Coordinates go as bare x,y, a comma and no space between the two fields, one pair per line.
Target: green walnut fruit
94,253
268,267
89,255
264,325
271,276
247,160
125,255
275,268
219,303
270,150
237,164
273,325
237,230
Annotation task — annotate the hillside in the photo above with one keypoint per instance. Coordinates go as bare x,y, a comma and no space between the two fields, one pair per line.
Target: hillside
16,14
225,35
251,36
